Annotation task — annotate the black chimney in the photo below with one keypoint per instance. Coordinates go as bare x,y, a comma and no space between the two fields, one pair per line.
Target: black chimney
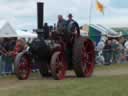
40,16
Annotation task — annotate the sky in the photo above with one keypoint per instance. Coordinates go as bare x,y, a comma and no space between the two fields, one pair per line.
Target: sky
22,13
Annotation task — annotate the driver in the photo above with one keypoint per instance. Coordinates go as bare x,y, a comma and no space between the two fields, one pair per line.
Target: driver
72,30
72,25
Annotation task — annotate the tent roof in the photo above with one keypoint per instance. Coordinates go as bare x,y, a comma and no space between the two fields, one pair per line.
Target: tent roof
26,34
6,30
111,32
125,33
99,28
2,23
105,30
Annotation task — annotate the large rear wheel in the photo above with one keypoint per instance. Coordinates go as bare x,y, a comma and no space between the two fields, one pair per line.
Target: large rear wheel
83,57
22,66
58,65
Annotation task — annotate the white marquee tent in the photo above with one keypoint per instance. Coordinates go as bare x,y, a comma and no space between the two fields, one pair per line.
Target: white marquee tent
7,31
26,34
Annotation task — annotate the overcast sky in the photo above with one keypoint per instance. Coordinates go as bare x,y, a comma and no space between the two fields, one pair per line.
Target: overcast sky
22,13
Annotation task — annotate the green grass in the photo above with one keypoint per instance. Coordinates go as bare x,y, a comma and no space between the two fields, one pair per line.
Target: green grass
111,67
94,86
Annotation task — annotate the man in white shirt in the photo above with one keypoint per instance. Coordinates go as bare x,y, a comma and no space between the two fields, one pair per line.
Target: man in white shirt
99,49
100,46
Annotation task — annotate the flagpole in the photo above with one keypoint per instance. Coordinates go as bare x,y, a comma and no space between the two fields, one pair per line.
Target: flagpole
90,15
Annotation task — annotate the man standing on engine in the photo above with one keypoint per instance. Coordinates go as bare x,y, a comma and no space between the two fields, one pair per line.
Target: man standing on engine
72,30
61,24
72,25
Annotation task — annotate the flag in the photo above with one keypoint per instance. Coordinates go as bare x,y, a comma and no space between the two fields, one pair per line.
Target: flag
100,6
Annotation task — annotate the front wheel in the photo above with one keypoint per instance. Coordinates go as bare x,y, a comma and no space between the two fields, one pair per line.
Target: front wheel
58,65
22,66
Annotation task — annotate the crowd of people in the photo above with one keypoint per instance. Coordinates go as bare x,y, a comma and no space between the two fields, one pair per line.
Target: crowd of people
6,47
9,48
112,51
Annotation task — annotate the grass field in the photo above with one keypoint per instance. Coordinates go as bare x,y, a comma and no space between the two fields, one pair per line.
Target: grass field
106,81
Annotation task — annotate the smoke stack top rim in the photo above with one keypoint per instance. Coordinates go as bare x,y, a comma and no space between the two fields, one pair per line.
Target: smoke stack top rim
40,1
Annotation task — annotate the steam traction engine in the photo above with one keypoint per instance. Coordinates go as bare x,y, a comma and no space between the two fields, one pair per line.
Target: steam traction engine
52,56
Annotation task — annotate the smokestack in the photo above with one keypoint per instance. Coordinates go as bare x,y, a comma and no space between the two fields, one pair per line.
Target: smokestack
40,16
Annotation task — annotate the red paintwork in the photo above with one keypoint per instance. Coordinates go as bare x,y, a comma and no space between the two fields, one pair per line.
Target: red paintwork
61,69
24,66
88,60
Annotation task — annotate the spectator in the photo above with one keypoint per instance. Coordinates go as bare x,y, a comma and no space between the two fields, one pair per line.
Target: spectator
19,47
126,50
107,52
0,59
12,44
100,46
1,53
115,51
99,53
7,58
121,54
